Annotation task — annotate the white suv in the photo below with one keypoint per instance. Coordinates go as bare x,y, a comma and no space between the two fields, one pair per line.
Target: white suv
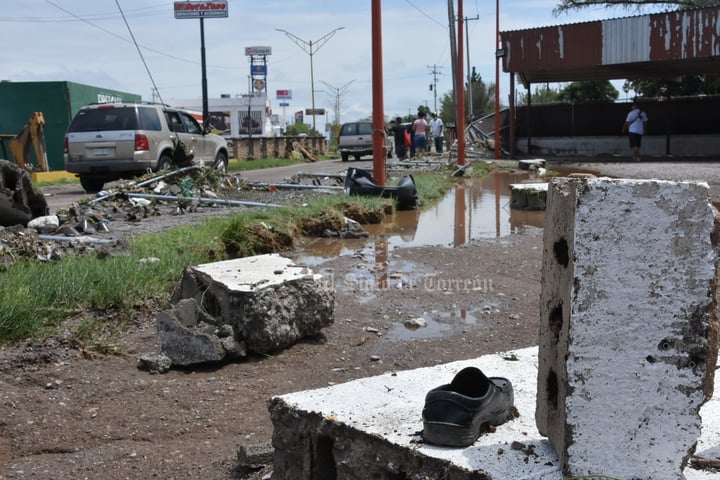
105,142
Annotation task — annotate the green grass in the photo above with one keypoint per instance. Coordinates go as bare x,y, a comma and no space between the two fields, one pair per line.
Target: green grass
37,298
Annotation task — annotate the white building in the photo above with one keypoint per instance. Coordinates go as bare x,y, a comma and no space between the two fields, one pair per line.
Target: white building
230,117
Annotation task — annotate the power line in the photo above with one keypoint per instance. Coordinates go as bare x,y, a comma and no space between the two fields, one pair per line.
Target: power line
147,69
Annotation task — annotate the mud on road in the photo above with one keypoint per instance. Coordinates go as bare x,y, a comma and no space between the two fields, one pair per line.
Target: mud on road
71,414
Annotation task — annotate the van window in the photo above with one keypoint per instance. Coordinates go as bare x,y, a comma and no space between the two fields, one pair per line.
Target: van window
104,119
349,129
364,129
149,119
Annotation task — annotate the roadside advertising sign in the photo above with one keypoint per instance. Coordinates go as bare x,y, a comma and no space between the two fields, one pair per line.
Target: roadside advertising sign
284,104
258,70
214,9
283,94
258,51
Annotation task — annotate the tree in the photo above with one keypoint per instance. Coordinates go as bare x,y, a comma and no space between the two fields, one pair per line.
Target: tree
688,85
596,91
483,100
567,5
543,94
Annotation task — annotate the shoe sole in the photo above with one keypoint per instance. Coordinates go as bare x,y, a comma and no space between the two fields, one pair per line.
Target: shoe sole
453,435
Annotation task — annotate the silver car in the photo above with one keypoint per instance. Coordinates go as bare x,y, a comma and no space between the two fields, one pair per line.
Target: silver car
105,142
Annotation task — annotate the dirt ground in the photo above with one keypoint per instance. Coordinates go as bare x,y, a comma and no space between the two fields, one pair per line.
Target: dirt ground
68,414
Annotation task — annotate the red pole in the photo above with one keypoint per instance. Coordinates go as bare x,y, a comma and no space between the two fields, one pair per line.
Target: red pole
460,88
379,155
497,80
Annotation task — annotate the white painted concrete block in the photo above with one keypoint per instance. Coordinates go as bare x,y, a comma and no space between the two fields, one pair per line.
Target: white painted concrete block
370,428
629,329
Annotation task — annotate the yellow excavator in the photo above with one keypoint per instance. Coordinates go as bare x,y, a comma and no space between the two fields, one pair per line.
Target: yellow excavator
33,133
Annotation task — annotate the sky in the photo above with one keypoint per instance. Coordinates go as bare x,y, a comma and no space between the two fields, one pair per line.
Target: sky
94,43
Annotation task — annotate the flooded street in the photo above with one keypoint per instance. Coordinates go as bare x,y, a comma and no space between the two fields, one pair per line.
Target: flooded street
472,210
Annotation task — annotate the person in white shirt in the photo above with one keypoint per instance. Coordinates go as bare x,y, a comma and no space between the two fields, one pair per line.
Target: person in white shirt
436,130
636,126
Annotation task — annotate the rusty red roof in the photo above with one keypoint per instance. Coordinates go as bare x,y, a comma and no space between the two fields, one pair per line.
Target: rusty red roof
660,45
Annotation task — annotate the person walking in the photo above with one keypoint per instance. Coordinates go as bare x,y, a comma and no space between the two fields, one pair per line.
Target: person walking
420,129
437,131
635,126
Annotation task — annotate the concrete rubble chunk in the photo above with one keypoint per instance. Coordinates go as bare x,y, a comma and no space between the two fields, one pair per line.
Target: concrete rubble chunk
187,335
629,327
266,301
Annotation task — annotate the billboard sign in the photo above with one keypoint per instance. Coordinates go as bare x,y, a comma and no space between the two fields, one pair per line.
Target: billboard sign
317,111
284,104
283,94
258,70
214,9
258,51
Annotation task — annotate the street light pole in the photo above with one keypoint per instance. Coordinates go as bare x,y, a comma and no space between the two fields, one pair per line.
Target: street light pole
307,47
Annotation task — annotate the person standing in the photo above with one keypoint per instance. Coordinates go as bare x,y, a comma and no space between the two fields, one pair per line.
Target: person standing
437,131
398,132
636,126
420,129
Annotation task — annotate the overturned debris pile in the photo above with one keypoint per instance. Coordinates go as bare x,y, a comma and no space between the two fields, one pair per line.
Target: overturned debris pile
103,222
20,202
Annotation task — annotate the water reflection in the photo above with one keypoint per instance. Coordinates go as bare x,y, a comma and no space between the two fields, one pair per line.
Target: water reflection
472,210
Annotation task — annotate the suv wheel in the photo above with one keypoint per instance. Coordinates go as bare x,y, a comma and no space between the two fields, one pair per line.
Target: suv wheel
91,184
221,163
165,162
345,157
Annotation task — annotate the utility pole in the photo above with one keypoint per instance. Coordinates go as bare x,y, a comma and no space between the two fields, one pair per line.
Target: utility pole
469,74
433,86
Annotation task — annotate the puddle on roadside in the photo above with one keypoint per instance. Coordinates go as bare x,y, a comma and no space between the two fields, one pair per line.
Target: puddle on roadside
472,210
436,324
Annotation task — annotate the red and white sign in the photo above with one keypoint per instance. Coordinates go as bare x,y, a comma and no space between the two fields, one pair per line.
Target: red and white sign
216,9
283,94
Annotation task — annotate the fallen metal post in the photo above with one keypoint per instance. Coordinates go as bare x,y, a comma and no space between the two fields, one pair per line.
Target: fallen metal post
219,201
80,239
147,182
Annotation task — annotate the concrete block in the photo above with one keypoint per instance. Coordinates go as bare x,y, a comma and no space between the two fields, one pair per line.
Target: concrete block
269,302
528,196
531,164
629,327
370,429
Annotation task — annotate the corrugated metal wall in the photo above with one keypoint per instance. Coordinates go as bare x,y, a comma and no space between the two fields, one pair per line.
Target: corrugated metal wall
609,45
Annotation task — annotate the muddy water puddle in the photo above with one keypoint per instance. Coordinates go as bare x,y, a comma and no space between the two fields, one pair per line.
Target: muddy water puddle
472,210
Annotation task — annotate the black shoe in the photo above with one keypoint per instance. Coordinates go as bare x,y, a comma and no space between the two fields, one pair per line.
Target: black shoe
456,414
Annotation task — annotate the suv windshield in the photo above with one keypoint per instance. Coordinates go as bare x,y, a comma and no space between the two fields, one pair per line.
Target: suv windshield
111,118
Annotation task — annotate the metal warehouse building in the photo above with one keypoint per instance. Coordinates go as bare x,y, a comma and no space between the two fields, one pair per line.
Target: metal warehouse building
58,101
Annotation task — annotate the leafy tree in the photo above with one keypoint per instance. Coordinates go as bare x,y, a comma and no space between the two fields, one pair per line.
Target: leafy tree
688,85
595,91
483,99
297,128
542,94
567,5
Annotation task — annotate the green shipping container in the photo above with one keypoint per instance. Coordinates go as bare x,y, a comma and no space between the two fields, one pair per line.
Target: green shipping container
58,102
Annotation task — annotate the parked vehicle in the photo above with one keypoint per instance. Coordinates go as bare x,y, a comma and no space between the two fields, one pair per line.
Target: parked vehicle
106,142
356,139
